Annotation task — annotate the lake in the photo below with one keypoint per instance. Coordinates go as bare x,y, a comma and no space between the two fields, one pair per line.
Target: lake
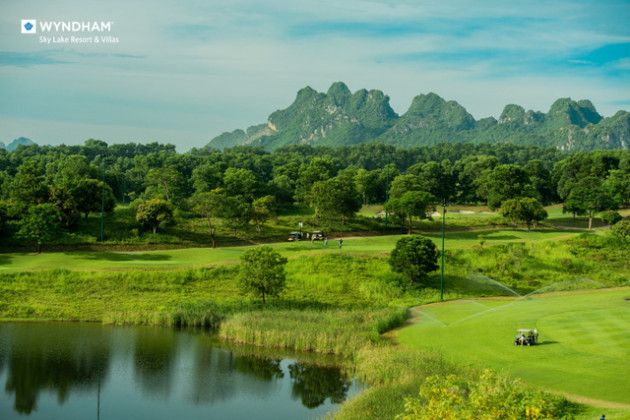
92,371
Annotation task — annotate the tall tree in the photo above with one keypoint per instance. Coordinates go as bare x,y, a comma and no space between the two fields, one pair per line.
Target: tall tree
208,176
412,204
439,180
364,180
415,257
335,198
66,203
88,195
210,205
403,184
618,186
261,272
28,188
541,180
3,218
263,208
40,224
591,197
153,213
348,199
236,212
243,182
524,210
506,182
168,178
318,170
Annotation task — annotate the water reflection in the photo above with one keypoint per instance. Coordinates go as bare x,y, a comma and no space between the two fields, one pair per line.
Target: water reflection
41,358
314,384
265,369
154,358
91,370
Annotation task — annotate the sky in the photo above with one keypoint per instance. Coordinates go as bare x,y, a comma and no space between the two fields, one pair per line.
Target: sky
183,72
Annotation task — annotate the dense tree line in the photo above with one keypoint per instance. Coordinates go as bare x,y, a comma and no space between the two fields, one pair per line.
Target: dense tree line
248,184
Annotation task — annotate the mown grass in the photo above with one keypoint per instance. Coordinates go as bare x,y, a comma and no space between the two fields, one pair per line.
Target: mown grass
187,258
584,342
329,295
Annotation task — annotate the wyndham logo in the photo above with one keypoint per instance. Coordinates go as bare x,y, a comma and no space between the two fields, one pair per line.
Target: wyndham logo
29,26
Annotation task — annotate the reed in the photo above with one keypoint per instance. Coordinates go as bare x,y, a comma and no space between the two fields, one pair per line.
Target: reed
338,331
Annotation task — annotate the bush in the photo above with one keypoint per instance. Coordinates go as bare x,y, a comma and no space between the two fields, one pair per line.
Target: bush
491,396
610,217
622,228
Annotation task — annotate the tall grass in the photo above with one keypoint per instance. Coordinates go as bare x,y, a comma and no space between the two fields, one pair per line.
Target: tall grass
338,331
329,280
393,373
587,261
397,374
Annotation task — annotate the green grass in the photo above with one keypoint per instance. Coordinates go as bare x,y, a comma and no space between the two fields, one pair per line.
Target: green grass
339,332
121,229
584,341
329,295
208,257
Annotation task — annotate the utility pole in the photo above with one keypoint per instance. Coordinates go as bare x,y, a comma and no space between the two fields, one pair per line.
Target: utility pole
104,156
443,232
387,190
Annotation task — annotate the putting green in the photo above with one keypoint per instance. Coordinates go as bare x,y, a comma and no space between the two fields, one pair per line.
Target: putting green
584,339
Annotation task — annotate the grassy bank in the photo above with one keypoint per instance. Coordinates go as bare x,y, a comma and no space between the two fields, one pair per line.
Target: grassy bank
320,280
424,384
335,301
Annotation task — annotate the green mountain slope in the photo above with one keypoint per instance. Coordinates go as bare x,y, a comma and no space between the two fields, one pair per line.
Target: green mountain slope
15,143
339,117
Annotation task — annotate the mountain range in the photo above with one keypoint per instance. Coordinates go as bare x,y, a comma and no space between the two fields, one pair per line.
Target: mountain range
15,143
340,117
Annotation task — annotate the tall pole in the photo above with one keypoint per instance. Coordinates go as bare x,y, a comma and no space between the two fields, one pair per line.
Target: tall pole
103,203
387,190
443,231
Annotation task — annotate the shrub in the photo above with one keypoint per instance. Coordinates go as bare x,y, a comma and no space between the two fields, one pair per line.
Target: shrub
610,217
490,397
622,228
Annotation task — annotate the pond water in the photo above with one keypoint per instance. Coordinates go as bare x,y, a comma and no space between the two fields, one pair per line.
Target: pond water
84,371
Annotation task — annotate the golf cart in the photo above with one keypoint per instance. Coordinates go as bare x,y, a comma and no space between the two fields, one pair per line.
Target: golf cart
318,235
526,337
295,236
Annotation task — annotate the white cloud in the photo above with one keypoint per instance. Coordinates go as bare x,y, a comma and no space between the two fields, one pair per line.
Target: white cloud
207,67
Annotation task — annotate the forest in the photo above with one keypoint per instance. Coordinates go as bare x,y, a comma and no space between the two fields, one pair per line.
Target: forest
48,193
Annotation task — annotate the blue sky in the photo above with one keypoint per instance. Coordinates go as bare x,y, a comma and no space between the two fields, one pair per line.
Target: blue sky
186,71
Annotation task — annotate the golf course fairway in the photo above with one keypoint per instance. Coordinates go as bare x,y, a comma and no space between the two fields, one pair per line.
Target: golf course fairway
584,339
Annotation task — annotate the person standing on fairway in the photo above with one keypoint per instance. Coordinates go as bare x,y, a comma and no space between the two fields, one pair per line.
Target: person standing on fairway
340,242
